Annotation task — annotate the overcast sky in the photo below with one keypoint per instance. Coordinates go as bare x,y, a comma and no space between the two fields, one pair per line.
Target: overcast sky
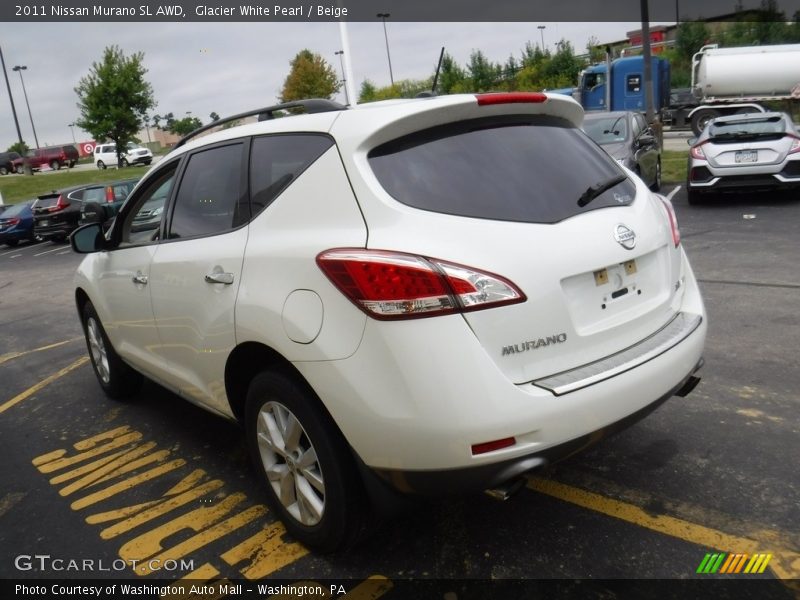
233,67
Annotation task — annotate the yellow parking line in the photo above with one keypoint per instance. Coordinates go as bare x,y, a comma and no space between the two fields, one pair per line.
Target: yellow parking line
11,355
785,563
43,383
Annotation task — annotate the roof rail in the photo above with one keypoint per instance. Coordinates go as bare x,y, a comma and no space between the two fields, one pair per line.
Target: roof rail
312,105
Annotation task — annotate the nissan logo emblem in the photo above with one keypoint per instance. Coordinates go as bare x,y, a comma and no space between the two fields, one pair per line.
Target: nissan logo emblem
625,236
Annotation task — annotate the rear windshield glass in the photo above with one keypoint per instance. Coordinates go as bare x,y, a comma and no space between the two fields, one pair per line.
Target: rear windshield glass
528,169
46,202
607,130
14,210
772,127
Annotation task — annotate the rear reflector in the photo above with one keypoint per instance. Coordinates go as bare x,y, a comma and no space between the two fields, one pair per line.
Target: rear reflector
396,285
492,446
511,98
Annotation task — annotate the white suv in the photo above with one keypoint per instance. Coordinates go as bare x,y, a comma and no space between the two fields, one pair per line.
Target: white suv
431,295
105,155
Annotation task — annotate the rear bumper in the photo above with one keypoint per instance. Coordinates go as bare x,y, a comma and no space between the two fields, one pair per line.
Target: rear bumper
61,230
487,476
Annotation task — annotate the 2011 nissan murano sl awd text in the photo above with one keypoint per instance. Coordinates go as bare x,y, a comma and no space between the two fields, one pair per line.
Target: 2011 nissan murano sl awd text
429,295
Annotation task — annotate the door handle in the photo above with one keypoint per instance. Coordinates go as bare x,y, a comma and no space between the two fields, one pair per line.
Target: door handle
140,279
217,277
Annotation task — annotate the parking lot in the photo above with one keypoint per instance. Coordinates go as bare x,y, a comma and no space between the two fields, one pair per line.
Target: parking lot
164,484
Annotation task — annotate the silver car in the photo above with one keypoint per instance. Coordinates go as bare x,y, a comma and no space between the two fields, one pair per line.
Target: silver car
744,153
626,136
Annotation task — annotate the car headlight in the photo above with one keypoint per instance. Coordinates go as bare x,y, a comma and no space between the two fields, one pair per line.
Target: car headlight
158,211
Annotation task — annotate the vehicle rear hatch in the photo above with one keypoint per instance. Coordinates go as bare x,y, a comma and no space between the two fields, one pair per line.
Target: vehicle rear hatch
51,210
751,142
499,191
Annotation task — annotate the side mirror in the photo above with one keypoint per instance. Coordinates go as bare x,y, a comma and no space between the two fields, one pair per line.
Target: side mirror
88,239
691,141
646,140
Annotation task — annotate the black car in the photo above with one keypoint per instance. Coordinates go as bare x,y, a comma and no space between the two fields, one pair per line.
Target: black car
7,162
626,136
58,214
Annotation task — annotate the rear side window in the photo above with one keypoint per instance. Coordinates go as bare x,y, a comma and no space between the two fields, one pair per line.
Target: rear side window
210,190
531,169
277,160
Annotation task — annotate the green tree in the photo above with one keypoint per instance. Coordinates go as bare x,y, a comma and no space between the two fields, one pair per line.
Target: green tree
185,125
368,91
596,52
214,117
451,76
113,99
310,76
19,147
482,73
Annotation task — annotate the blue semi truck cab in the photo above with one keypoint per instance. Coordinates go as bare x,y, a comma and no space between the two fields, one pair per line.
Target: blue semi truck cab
627,85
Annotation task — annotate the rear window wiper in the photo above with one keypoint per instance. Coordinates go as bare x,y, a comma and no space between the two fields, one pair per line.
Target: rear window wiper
595,190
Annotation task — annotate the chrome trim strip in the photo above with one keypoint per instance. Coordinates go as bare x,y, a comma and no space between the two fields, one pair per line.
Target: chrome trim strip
669,336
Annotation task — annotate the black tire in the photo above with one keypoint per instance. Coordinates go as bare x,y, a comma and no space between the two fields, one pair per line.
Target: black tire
55,165
657,183
20,170
123,163
693,196
3,170
701,118
343,513
101,164
117,379
12,243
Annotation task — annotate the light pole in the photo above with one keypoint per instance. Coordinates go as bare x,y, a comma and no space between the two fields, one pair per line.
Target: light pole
19,69
340,54
72,129
11,99
383,17
541,29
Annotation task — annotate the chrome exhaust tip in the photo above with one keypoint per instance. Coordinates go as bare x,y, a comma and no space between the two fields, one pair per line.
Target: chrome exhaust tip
504,491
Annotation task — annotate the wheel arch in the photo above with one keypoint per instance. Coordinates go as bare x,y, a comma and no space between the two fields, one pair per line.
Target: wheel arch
248,360
81,298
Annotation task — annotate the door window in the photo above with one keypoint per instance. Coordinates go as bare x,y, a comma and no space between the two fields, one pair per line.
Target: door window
142,223
277,160
208,200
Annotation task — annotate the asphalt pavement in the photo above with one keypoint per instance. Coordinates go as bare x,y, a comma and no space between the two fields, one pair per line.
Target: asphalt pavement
157,479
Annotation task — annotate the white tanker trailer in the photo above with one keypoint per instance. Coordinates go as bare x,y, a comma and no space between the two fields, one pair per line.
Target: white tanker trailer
731,80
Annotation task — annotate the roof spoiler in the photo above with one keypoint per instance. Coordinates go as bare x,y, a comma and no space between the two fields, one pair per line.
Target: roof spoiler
312,105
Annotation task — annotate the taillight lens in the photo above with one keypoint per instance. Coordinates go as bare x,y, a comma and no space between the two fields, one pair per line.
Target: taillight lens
60,204
395,285
511,98
109,194
697,152
673,221
795,144
10,222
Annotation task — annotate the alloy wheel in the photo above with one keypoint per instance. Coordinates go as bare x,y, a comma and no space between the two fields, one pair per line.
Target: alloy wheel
291,464
98,349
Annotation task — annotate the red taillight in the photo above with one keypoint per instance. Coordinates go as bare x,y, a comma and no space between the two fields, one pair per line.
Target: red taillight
11,222
697,152
60,204
109,194
795,144
396,285
511,98
492,446
673,222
